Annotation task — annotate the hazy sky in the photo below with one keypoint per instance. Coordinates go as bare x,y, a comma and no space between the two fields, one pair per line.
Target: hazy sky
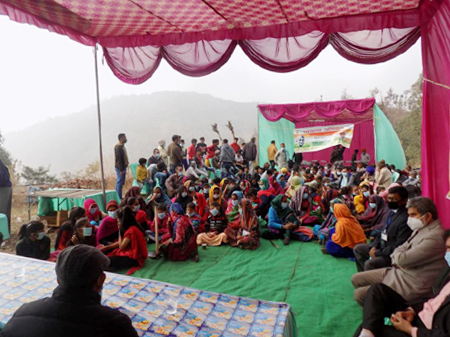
45,75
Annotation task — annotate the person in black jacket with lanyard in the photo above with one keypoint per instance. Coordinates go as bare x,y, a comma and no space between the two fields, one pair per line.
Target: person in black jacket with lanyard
393,234
428,318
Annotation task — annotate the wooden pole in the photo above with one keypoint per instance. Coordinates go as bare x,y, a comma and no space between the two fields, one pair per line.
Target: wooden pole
99,117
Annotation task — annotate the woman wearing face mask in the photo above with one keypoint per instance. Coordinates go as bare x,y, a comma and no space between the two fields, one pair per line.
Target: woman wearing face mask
302,205
93,212
214,227
416,263
162,216
107,232
83,234
232,212
361,201
216,195
283,223
374,216
182,244
183,198
265,196
140,215
66,230
246,235
322,231
158,197
33,241
346,234
130,251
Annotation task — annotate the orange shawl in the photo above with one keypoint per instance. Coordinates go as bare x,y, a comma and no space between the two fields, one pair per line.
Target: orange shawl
348,232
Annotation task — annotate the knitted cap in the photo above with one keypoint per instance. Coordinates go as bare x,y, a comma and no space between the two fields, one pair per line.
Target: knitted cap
79,266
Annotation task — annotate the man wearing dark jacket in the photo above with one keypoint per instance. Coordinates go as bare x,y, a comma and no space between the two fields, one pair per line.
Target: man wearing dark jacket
121,163
74,309
393,234
428,318
250,152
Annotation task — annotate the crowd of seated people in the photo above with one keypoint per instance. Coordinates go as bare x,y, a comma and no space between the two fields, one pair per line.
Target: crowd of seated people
207,198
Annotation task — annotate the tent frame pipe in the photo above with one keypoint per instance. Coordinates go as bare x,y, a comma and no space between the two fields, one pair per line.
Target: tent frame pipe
99,117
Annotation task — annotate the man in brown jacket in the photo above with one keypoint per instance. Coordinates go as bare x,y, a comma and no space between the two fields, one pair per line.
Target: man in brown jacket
175,153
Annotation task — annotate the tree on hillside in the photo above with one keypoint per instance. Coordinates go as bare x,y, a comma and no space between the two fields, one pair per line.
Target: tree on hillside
5,156
37,176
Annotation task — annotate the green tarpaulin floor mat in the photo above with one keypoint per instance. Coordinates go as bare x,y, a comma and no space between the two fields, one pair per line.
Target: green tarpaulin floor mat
317,286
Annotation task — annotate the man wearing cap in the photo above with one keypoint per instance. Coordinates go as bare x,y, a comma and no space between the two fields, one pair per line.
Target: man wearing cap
74,309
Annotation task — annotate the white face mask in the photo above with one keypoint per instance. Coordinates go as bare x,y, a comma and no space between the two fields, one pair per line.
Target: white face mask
216,196
415,223
191,189
235,202
284,205
366,193
41,235
112,214
184,194
206,190
87,231
161,215
93,210
372,204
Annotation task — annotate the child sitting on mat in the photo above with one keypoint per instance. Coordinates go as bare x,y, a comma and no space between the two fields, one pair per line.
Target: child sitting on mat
214,227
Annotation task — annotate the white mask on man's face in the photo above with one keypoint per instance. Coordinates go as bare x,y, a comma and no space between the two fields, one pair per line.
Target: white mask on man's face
415,223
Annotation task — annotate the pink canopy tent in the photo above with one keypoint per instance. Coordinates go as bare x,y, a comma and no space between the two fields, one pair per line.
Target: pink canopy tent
196,37
357,112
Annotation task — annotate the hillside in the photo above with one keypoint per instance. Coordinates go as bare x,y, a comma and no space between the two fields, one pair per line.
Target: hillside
71,142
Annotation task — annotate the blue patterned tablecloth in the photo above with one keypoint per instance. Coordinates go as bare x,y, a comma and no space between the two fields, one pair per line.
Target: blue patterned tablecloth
199,313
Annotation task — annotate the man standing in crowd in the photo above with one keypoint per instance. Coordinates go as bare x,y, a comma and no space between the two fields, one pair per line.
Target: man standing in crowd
250,152
394,233
175,153
5,193
202,145
271,152
235,145
75,307
282,157
163,152
121,163
365,157
227,156
211,150
192,150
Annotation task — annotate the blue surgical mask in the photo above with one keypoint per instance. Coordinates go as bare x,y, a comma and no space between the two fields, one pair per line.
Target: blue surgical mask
112,214
235,202
214,211
447,258
284,205
180,173
305,195
161,215
41,235
93,210
366,194
137,208
157,156
372,204
240,210
87,231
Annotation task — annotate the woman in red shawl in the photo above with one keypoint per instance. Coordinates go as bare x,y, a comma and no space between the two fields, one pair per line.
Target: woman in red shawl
183,243
108,232
266,194
372,219
131,249
246,235
201,208
93,213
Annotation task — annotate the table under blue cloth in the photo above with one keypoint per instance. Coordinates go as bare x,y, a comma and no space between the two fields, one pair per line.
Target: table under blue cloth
199,313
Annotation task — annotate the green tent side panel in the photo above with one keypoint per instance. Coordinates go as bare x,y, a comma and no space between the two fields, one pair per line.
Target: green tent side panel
281,131
387,143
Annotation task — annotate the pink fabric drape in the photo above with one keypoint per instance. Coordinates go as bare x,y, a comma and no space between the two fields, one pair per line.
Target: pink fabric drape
353,110
436,105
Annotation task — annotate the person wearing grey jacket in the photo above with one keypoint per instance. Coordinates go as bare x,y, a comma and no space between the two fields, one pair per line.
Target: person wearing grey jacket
227,156
250,153
415,264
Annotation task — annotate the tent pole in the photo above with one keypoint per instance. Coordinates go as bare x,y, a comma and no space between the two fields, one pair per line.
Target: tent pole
99,117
